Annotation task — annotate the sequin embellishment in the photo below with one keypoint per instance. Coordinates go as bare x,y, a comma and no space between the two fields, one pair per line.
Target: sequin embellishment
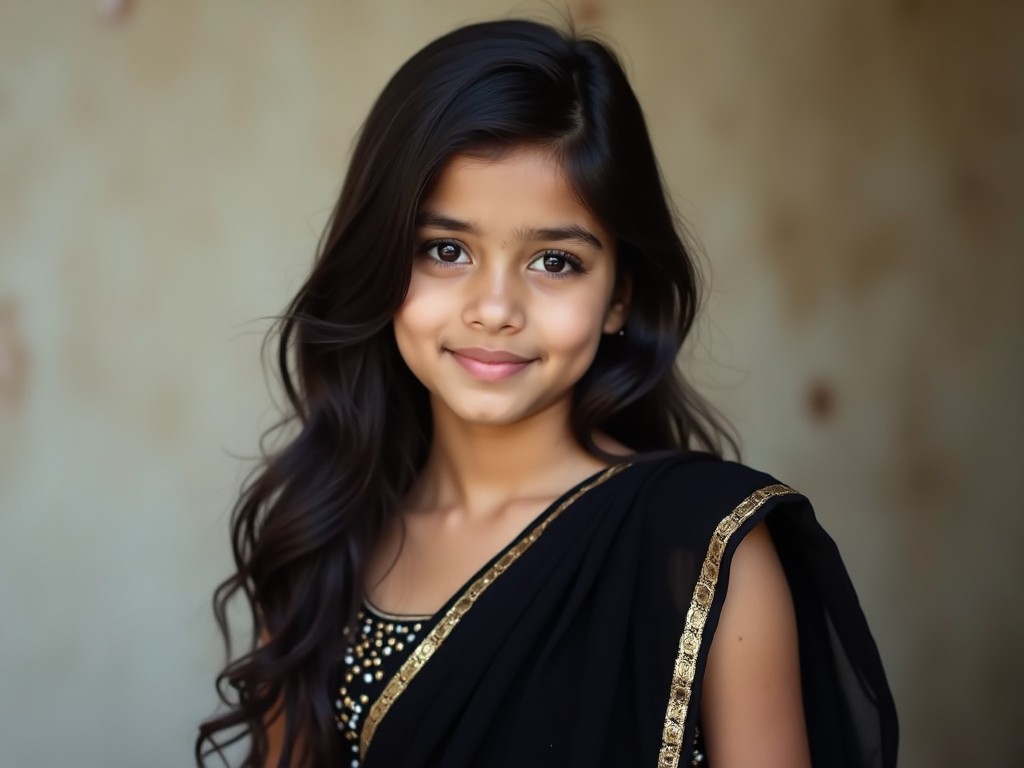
380,644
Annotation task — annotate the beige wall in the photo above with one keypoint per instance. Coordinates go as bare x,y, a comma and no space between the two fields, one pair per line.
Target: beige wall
853,169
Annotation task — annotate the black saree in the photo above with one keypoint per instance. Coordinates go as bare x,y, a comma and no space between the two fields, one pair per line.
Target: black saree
584,642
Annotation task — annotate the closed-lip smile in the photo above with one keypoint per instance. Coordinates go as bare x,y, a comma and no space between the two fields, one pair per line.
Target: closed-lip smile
489,365
489,356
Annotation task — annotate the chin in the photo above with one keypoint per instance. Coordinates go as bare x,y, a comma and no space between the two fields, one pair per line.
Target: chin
494,414
492,408
490,418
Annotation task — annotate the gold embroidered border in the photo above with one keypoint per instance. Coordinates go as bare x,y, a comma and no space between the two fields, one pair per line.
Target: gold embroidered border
696,616
421,655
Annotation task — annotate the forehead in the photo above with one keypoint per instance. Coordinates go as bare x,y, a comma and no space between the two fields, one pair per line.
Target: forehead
525,186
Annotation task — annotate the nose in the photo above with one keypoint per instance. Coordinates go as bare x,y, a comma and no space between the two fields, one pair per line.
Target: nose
492,302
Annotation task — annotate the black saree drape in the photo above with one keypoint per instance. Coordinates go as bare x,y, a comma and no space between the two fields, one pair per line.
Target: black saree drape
584,642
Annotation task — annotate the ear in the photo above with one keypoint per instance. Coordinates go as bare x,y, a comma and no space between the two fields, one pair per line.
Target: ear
618,310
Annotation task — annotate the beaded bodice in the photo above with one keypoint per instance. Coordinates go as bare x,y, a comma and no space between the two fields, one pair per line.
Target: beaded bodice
373,653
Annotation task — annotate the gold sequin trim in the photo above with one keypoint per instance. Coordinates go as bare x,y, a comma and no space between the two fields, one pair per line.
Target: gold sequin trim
421,655
689,643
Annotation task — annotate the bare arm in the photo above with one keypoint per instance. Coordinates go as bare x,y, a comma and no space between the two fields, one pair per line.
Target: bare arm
751,707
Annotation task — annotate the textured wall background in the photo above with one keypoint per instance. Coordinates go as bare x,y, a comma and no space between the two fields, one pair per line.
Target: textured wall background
853,168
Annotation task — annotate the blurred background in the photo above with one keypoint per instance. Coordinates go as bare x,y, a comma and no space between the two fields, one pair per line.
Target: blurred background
852,169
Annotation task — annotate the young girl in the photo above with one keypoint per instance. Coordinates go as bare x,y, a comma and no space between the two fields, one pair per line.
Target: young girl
502,534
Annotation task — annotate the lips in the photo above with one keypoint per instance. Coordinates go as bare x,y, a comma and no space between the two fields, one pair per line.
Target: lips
488,364
489,356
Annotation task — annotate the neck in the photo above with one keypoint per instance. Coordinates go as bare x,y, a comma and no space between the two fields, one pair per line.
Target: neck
480,467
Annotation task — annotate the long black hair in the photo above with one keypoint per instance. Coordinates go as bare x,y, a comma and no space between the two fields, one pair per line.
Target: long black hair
312,511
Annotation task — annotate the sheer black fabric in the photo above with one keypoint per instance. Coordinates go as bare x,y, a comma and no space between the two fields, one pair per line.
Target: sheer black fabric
584,642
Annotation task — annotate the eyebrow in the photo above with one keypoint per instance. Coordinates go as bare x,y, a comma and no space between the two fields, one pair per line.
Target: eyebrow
572,233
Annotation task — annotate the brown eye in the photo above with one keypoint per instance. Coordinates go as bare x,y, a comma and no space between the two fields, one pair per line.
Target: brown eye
557,264
448,252
445,253
554,263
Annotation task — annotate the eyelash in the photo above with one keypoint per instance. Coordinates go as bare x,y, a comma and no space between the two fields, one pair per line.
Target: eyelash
575,265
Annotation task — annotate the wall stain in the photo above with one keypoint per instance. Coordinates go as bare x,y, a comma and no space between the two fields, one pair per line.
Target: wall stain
14,377
13,357
821,400
785,236
115,10
588,12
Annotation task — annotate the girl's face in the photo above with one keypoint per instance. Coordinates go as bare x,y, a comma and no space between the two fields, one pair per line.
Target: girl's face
512,287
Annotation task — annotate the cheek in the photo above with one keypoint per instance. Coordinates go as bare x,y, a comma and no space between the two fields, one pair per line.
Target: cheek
573,326
415,324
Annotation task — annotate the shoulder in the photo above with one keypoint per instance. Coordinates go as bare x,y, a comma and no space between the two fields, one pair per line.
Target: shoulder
701,474
708,494
751,703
